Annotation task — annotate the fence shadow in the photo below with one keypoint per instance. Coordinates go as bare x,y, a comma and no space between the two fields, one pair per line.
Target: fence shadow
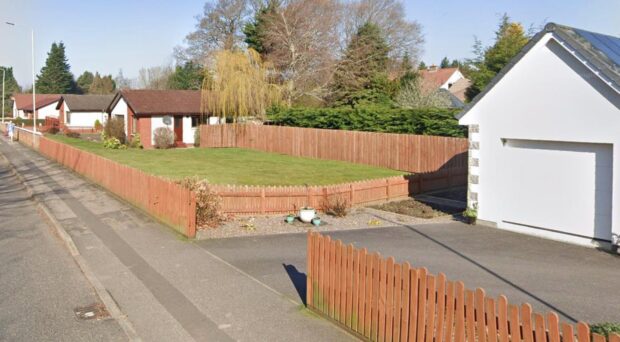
298,279
452,173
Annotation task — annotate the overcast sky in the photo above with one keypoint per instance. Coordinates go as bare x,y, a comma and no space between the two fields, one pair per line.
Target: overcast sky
107,36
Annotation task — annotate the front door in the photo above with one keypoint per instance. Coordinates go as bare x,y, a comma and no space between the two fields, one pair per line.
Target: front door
178,129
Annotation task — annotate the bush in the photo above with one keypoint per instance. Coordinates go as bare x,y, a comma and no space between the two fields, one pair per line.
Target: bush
430,121
27,122
163,137
197,136
208,204
113,144
115,128
135,142
98,125
69,133
336,205
51,130
605,329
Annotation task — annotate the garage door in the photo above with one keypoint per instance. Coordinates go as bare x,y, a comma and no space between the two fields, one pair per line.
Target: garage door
559,186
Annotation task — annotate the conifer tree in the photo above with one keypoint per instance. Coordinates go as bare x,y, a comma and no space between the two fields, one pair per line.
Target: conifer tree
10,87
56,76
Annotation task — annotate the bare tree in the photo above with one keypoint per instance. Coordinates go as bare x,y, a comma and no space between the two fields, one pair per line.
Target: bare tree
302,40
154,77
219,27
401,35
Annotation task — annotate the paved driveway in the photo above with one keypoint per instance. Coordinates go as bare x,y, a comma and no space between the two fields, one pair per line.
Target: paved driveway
580,284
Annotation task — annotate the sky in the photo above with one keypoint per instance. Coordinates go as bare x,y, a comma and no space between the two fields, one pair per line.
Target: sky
112,35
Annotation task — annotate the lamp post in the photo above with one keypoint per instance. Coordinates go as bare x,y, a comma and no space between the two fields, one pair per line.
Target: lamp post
34,105
3,76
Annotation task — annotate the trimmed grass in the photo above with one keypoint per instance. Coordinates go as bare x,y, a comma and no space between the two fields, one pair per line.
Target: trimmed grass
235,165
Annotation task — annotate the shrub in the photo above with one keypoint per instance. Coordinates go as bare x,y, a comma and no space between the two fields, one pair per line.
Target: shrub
197,136
98,125
163,137
429,121
605,329
115,128
113,144
52,130
27,122
336,205
69,133
208,204
135,142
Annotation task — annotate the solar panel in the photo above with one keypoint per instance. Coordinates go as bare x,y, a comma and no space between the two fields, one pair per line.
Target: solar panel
608,45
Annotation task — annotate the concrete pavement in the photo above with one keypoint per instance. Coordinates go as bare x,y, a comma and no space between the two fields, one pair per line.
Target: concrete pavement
40,283
169,288
579,283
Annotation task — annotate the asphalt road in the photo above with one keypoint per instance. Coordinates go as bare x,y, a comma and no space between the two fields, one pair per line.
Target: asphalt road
579,283
39,281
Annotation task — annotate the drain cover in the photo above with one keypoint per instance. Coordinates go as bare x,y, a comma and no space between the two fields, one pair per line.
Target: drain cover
93,311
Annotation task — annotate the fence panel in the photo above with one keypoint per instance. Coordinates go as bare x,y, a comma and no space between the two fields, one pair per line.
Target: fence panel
405,152
165,200
395,302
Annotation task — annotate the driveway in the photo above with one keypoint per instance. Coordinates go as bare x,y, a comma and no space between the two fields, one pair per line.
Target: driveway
580,284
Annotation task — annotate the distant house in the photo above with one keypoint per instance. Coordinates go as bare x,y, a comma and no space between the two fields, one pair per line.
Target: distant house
45,105
545,140
143,111
450,79
80,112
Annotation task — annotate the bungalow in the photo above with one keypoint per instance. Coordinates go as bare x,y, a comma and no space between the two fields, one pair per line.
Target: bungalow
450,79
544,155
80,112
45,105
143,111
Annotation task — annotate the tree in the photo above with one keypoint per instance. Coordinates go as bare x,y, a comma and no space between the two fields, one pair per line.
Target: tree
510,38
255,30
102,85
219,27
301,42
362,68
445,63
154,77
422,66
56,76
10,87
239,86
417,94
121,81
455,63
84,81
401,35
408,74
189,76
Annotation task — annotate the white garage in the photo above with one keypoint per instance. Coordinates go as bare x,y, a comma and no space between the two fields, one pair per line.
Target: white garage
545,140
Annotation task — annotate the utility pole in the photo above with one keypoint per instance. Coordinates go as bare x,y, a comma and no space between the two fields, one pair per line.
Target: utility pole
3,77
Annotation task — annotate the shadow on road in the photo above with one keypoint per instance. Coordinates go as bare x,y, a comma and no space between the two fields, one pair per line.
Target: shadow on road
298,279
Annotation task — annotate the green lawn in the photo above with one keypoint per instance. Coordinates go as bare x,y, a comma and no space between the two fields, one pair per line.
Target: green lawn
235,165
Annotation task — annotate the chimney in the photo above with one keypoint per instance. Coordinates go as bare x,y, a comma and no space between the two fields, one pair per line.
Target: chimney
433,68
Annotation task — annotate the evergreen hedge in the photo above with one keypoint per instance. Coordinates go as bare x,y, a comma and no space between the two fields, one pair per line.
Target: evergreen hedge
430,121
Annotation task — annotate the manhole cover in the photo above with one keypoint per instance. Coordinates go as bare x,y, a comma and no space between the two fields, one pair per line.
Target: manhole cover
93,311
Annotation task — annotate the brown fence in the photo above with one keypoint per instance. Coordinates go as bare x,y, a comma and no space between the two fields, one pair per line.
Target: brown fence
405,152
380,300
165,200
287,199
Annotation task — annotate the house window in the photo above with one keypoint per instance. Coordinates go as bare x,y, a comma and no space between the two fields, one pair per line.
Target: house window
134,125
68,117
194,121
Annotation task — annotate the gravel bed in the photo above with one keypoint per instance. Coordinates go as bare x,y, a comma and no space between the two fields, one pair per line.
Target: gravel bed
359,218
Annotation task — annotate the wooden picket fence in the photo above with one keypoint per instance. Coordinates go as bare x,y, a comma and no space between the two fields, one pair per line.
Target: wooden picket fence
247,200
161,198
380,300
405,152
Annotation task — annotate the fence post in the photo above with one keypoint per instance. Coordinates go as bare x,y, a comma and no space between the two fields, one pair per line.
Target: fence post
325,197
387,188
352,194
262,200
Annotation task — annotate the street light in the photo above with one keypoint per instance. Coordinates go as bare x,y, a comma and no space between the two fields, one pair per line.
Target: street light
34,106
3,75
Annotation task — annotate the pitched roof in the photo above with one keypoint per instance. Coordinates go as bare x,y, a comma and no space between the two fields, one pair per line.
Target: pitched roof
437,77
150,102
599,50
24,101
87,103
459,87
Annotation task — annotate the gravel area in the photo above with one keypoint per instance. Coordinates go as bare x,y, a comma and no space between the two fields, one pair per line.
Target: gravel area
359,218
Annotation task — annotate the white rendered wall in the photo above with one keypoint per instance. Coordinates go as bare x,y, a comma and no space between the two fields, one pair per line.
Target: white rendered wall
188,130
120,110
549,95
457,75
158,121
48,111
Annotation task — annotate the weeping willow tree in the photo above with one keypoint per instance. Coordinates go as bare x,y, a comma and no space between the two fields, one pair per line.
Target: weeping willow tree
239,86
